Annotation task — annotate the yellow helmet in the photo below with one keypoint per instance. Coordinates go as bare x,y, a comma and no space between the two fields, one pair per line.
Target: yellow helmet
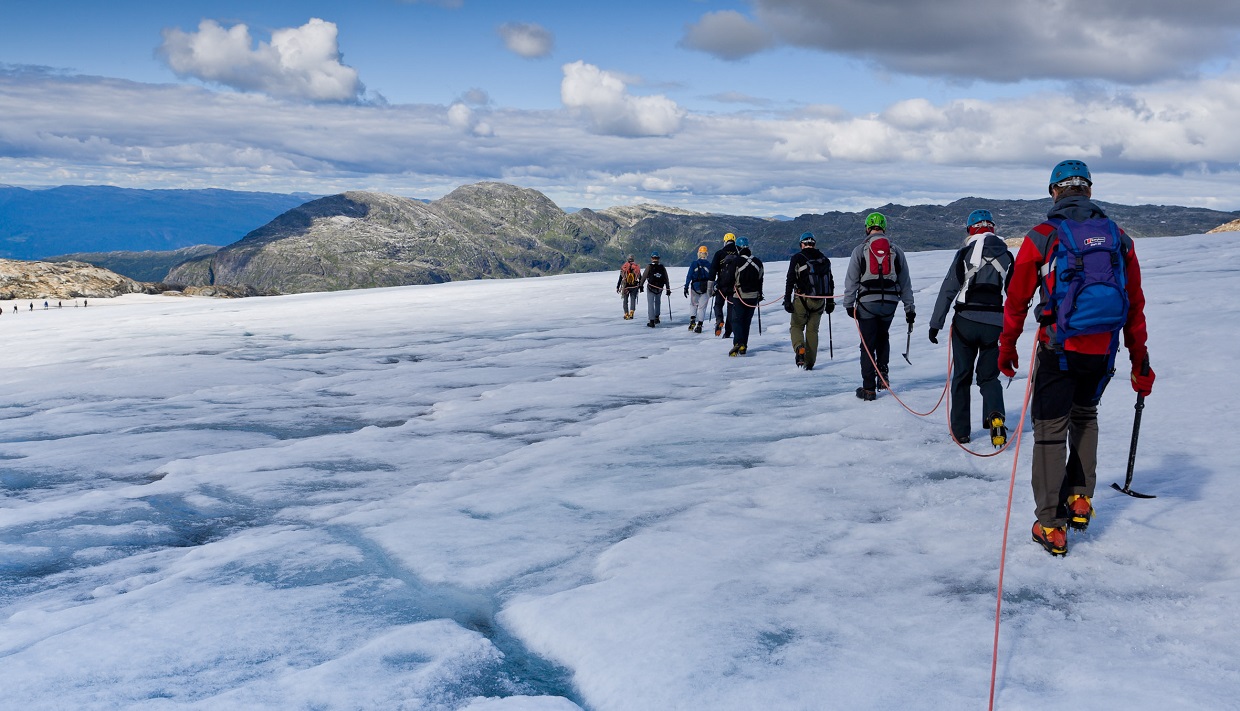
729,237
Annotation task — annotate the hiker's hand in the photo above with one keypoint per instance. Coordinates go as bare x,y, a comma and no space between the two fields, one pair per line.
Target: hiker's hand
1008,360
934,336
830,305
1143,378
669,291
852,312
788,305
910,316
686,292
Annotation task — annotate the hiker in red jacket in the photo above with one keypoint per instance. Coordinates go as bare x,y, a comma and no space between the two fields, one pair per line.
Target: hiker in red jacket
1084,266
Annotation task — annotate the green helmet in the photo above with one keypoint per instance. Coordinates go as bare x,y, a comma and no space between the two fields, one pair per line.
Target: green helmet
875,221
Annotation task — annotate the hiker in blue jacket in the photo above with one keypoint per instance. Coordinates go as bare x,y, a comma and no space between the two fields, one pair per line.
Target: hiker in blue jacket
699,289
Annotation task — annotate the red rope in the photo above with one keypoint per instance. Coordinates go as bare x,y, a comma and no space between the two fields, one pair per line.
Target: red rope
1007,520
887,385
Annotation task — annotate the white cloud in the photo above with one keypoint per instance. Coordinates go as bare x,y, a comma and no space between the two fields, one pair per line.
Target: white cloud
1170,143
527,39
612,110
299,62
727,34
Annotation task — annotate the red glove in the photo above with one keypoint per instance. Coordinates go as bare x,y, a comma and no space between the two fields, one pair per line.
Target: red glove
1142,378
1008,360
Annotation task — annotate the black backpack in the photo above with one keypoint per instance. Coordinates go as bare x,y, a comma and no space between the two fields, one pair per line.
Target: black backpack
748,276
984,279
814,277
700,278
727,275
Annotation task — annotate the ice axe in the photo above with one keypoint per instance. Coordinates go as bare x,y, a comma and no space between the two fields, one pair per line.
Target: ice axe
1132,448
830,336
908,345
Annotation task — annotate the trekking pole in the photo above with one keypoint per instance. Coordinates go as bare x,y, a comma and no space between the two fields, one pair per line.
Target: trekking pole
908,345
830,336
1132,449
759,320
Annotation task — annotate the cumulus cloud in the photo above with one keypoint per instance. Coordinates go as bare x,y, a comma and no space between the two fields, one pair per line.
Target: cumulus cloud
527,39
1010,41
727,34
299,62
1169,143
604,97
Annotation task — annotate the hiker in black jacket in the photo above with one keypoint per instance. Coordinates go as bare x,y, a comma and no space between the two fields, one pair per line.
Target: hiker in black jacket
809,275
974,288
744,273
722,326
656,282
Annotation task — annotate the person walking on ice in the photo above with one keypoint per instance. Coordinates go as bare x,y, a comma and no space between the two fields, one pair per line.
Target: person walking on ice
699,289
1085,269
809,280
628,286
723,324
877,282
974,288
656,281
745,272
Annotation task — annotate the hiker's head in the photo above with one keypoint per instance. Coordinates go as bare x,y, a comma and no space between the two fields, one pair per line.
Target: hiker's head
875,221
807,240
654,257
702,252
980,222
729,237
630,258
1070,177
742,244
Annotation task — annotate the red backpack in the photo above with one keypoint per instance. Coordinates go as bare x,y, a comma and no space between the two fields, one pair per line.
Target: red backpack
879,276
632,273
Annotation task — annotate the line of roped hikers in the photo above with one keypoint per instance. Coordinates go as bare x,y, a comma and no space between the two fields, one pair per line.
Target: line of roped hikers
1082,264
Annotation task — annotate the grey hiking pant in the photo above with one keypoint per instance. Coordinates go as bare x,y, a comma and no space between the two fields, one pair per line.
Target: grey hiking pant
654,302
1065,430
973,341
699,304
803,327
630,299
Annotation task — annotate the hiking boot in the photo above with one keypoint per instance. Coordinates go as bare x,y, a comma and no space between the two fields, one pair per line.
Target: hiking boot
964,439
732,353
718,328
699,328
1080,510
1053,540
809,366
883,381
742,348
866,394
656,320
651,323
800,356
692,323
998,433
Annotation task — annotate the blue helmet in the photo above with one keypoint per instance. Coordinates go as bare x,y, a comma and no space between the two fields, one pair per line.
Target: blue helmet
742,241
979,216
654,255
1070,169
807,239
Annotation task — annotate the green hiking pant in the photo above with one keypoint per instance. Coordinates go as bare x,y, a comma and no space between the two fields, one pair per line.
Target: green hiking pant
804,327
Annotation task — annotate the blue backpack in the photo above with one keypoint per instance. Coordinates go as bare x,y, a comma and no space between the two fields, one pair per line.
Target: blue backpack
1090,294
700,276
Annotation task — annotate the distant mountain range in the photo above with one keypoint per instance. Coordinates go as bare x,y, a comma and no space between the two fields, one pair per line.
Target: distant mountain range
35,224
485,230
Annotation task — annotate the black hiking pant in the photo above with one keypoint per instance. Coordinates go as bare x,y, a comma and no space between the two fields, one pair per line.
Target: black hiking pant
1065,429
742,317
875,336
975,343
719,304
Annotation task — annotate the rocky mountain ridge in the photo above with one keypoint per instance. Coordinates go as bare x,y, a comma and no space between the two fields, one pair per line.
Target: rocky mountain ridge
496,230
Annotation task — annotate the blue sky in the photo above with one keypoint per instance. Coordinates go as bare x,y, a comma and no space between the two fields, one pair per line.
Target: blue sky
758,106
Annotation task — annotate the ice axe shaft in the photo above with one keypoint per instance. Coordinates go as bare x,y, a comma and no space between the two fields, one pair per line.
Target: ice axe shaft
1132,453
830,336
908,345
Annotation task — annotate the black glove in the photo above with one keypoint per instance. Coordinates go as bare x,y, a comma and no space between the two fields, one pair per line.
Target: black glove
641,289
669,291
788,305
686,292
934,335
852,312
830,305
910,316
